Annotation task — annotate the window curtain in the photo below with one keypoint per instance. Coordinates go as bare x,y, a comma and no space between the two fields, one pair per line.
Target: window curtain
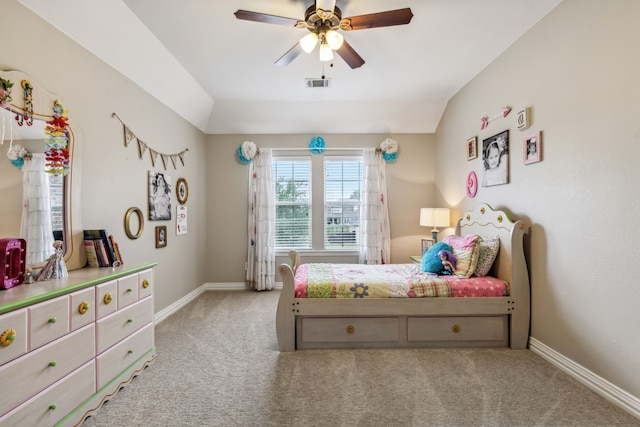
375,237
261,257
36,226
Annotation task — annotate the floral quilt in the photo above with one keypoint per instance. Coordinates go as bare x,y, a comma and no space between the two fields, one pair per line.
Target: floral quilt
388,281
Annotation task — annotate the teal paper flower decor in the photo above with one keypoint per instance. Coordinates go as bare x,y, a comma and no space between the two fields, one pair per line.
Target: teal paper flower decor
247,151
389,149
316,145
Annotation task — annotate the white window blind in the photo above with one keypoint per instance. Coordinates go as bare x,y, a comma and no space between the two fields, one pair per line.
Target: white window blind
342,192
292,180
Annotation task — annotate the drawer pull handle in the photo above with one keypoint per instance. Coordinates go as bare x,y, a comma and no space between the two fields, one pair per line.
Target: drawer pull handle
130,352
455,328
53,320
107,298
351,329
129,320
145,283
83,307
129,290
53,363
53,407
7,337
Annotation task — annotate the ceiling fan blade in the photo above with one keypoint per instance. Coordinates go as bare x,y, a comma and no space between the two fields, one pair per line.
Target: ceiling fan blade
350,56
267,19
376,20
290,55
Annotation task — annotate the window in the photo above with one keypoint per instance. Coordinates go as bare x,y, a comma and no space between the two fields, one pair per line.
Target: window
334,183
292,180
342,189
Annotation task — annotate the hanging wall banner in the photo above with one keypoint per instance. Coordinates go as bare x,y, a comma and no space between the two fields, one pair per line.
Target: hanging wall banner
153,154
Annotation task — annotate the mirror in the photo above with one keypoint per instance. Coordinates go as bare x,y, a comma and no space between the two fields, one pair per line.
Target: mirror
59,191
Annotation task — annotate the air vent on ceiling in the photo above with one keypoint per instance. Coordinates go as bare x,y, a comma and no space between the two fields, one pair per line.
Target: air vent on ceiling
317,82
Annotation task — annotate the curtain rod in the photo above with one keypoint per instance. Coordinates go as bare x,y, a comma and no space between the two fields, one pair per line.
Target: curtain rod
378,150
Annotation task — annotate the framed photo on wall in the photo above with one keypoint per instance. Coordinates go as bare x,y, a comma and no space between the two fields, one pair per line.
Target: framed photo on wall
531,149
161,236
495,159
159,196
426,244
182,191
472,148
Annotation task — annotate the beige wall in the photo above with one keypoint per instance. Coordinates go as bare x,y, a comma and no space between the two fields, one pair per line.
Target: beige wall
578,70
113,177
411,185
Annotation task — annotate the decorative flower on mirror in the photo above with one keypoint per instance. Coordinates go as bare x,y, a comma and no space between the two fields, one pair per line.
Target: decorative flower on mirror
247,151
16,155
316,145
389,149
5,93
56,148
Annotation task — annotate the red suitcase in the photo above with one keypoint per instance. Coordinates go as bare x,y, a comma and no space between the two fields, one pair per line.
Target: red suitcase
12,262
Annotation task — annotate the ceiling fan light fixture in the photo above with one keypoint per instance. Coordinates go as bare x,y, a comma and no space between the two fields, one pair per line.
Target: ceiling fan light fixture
326,53
309,42
334,39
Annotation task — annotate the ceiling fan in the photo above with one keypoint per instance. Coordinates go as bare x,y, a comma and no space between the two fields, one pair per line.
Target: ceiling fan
323,20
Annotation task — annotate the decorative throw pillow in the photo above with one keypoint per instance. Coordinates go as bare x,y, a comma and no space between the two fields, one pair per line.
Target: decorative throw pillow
465,249
489,247
431,262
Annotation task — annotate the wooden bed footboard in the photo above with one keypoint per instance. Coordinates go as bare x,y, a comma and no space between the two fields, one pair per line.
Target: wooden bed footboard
418,322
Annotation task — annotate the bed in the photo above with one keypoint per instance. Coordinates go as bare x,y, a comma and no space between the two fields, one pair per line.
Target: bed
304,320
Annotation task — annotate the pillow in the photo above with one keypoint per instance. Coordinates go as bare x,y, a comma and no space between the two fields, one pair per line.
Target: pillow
489,247
431,262
465,249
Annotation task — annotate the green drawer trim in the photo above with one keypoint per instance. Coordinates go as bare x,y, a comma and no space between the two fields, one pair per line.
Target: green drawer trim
146,359
109,274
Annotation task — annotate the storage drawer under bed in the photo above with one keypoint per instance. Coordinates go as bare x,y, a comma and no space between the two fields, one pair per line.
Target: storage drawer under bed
490,330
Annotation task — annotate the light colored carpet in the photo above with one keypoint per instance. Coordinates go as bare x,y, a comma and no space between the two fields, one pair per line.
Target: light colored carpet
218,365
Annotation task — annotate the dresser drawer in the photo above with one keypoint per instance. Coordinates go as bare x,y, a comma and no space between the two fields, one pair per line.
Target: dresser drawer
48,320
54,403
83,310
469,329
118,358
13,333
348,329
31,373
127,290
122,323
145,282
106,298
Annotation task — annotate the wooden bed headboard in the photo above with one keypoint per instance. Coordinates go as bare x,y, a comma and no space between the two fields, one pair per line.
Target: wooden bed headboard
510,264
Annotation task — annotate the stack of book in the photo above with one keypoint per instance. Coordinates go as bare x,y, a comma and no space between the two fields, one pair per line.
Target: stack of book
102,249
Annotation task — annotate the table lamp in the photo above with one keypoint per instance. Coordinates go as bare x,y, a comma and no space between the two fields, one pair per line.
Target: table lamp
435,217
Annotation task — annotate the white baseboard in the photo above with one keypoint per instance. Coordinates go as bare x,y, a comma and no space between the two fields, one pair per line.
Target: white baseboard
169,310
599,385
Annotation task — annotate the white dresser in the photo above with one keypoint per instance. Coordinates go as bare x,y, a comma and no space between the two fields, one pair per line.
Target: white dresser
67,345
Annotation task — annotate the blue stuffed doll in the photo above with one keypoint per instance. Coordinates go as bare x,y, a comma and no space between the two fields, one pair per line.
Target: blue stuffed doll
431,262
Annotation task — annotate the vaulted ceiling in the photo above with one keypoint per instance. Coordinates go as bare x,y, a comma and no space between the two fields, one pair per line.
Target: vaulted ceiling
218,72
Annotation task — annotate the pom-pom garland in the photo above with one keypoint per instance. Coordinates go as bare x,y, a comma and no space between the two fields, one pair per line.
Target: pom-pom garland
56,149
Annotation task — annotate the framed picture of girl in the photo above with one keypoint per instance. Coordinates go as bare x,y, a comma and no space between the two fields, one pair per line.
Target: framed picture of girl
159,196
161,236
495,158
531,149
